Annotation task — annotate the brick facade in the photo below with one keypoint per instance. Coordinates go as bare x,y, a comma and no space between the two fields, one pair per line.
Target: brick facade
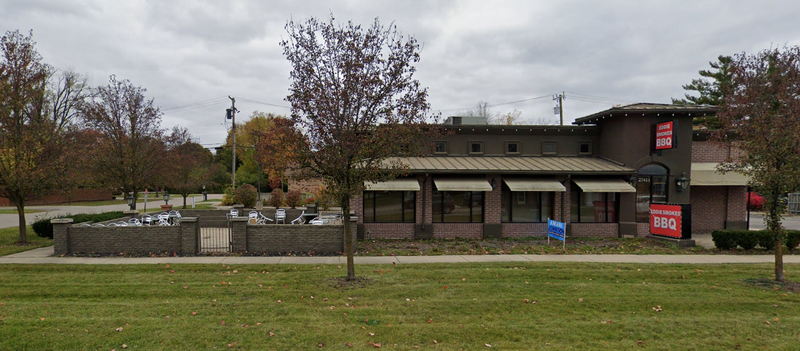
594,229
717,207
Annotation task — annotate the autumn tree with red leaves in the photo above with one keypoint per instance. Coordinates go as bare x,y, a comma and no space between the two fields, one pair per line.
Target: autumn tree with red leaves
347,81
761,112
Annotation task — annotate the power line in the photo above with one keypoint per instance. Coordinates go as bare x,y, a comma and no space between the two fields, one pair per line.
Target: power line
206,102
495,105
264,103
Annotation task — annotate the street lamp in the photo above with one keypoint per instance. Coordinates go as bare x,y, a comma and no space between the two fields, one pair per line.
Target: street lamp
130,201
166,198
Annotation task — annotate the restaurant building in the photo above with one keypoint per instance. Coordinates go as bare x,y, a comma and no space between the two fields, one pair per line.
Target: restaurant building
599,175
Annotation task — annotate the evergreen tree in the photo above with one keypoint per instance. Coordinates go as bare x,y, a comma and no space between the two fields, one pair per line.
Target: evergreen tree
708,90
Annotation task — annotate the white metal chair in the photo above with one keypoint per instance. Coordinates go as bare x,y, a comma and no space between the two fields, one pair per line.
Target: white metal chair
163,220
280,215
99,225
233,213
135,222
262,219
252,217
300,219
147,220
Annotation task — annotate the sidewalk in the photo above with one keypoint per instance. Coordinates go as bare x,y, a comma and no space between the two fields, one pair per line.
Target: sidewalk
41,256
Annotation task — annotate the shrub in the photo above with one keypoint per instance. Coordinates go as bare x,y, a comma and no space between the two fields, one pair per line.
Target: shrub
309,200
246,195
766,239
228,197
293,198
792,239
44,228
747,239
276,198
723,239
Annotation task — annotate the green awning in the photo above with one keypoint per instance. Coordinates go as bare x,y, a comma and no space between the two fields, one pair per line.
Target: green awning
533,184
462,184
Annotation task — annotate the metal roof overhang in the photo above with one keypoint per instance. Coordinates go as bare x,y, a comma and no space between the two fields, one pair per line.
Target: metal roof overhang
511,165
393,185
604,186
462,184
533,184
705,174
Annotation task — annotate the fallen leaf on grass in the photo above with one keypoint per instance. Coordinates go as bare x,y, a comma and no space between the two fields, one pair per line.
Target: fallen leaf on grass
270,333
580,299
487,345
124,346
348,344
658,308
375,345
194,313
371,334
119,329
320,345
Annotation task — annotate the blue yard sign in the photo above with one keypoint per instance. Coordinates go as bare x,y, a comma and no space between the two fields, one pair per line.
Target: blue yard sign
556,230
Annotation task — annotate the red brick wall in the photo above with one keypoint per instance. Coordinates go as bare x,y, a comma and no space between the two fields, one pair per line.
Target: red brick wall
520,230
708,208
737,206
457,230
493,201
594,229
712,151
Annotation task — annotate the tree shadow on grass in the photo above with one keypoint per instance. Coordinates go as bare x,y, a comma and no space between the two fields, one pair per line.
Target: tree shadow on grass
770,284
342,283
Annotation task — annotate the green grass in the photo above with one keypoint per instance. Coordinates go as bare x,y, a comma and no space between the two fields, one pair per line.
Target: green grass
14,211
9,238
510,306
529,245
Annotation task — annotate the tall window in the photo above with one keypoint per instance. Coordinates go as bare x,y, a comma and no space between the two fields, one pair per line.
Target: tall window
389,206
526,206
651,187
592,207
440,147
457,206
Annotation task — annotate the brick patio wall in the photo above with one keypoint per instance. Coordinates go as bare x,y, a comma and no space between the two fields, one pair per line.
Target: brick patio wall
135,241
282,239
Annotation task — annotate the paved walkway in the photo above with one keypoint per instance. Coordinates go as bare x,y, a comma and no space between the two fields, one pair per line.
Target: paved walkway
42,256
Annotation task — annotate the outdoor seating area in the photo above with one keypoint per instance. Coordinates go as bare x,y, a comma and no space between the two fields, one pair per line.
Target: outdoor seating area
280,217
170,218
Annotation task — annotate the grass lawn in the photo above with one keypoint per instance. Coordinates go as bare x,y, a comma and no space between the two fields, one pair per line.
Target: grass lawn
506,306
529,245
14,211
9,237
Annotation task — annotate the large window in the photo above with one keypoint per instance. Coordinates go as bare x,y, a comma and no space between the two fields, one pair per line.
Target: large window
526,206
592,207
457,206
389,206
651,187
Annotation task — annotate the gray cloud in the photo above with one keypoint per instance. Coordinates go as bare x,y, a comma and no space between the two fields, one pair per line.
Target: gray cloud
190,55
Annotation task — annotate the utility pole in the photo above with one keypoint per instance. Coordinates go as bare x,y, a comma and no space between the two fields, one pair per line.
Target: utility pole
559,109
231,115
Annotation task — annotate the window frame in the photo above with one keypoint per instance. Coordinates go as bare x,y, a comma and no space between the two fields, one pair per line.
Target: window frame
436,143
588,145
512,142
471,209
469,145
402,207
580,192
555,143
509,202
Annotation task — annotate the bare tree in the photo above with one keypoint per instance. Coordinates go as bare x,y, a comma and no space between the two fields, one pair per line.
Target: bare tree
129,154
761,111
345,81
36,115
189,164
508,118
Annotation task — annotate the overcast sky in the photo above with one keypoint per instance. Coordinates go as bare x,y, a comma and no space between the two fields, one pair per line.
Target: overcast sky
191,55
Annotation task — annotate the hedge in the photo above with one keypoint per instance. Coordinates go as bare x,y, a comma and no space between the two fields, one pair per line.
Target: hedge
749,239
44,228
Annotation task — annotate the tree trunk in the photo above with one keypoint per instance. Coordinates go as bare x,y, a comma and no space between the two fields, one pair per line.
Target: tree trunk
135,198
184,200
23,229
774,227
348,239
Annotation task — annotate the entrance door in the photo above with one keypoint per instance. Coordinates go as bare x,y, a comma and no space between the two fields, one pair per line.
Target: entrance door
651,187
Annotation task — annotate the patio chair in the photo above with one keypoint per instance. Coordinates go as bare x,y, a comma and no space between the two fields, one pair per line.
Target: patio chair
316,221
163,220
252,217
233,213
262,219
98,225
135,222
300,219
122,224
280,215
109,225
147,220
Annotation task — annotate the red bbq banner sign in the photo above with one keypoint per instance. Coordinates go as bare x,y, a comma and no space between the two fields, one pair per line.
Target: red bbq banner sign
665,220
664,135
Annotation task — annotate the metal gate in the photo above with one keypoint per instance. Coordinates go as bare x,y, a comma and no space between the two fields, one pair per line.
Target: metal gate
215,239
794,202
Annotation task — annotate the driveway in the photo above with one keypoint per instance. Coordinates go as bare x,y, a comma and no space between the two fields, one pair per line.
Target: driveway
789,221
10,220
